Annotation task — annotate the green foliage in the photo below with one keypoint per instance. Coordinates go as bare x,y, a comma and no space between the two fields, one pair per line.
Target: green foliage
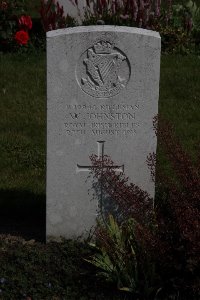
176,30
194,9
174,40
117,258
32,8
10,13
120,264
183,33
52,271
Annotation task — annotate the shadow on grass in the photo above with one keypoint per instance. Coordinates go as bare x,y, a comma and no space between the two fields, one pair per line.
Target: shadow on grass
22,213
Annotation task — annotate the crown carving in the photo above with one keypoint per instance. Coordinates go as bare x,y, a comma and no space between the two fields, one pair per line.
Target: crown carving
103,48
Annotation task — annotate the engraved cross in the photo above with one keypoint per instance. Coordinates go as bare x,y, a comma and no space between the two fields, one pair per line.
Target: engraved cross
86,168
100,145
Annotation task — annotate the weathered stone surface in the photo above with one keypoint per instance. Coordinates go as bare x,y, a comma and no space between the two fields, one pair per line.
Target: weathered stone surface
102,90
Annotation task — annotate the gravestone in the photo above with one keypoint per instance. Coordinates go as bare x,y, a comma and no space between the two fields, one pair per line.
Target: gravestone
102,91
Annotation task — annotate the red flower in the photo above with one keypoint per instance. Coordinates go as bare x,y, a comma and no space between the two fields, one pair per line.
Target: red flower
25,22
21,37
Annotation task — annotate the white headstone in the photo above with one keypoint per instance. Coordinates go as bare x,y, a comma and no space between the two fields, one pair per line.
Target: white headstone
102,90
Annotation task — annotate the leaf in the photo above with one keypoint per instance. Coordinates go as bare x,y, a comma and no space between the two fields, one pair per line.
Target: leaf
125,289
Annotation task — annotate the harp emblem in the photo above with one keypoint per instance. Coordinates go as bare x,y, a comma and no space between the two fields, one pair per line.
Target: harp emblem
105,70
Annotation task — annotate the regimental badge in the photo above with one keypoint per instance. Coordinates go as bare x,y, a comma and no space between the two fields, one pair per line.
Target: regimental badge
103,70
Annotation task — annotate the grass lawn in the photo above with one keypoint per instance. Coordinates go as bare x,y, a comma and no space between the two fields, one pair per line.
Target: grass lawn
180,98
23,114
22,141
58,270
23,110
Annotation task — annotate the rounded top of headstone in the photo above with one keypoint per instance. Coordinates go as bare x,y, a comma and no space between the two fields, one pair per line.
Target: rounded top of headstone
101,28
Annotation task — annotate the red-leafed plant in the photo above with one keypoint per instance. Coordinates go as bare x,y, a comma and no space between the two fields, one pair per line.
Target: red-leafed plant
164,240
25,22
52,16
173,22
178,209
139,13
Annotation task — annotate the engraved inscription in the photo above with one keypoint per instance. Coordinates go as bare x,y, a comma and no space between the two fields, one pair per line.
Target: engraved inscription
100,120
103,70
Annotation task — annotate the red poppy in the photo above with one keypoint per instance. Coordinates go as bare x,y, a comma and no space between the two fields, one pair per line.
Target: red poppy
21,37
25,22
